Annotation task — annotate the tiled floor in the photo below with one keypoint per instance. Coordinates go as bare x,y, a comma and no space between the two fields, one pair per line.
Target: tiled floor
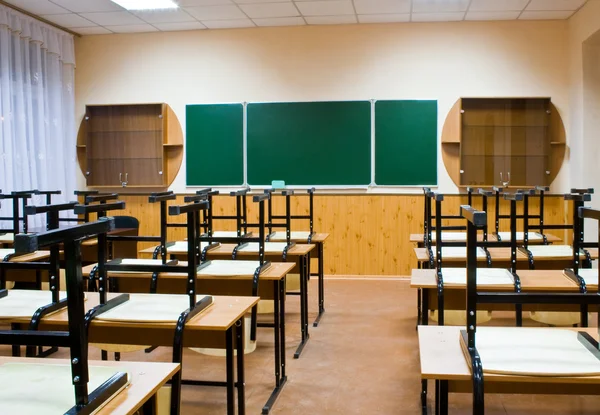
362,359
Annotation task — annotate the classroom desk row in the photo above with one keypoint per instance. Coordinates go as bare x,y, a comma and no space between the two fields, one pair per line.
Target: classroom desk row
531,281
215,327
298,254
500,258
534,237
219,281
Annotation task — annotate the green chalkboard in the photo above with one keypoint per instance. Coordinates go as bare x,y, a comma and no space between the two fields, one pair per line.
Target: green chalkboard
309,143
405,143
214,145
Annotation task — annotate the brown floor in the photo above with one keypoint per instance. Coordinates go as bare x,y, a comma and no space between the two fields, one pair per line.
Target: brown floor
362,359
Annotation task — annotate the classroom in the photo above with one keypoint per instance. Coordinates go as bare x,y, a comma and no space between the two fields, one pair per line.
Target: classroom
299,207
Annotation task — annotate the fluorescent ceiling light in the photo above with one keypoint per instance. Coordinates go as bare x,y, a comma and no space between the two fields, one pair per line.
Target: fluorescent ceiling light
146,4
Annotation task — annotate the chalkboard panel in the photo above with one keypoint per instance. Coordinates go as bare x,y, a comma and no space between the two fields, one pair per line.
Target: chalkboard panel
406,143
309,143
214,145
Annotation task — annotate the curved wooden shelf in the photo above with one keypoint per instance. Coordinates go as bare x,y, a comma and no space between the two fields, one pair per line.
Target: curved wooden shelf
452,143
172,146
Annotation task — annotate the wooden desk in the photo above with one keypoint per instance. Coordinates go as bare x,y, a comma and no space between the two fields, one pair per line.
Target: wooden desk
271,287
26,275
501,259
442,360
299,253
319,240
6,239
212,328
145,381
418,238
454,295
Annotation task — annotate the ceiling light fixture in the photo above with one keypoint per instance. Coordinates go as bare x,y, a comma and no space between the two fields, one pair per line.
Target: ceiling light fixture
146,4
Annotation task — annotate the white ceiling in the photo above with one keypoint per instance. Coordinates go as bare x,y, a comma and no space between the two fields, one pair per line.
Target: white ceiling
88,17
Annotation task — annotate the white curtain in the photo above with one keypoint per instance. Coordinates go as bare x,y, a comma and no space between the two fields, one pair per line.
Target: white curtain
37,133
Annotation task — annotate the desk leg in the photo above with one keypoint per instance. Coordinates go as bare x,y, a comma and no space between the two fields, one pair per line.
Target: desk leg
441,397
16,349
241,380
229,370
149,407
279,333
424,396
303,306
425,306
321,276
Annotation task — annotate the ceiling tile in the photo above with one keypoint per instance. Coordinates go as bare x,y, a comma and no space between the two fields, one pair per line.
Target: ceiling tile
555,4
225,12
495,5
94,30
280,21
438,17
112,18
382,6
68,20
325,8
439,6
168,27
492,15
188,3
265,10
344,19
549,15
134,28
164,16
86,6
228,24
38,7
383,18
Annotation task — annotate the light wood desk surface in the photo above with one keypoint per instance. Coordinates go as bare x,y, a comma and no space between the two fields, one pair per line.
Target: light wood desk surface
442,358
227,249
501,254
318,237
7,238
418,238
531,280
145,381
32,257
220,316
276,271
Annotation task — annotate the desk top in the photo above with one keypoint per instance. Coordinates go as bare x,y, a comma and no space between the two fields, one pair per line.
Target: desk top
221,315
462,237
32,257
145,380
531,280
442,358
500,254
227,249
277,271
7,238
299,236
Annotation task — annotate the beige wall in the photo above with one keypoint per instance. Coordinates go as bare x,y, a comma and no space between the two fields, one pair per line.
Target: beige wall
442,61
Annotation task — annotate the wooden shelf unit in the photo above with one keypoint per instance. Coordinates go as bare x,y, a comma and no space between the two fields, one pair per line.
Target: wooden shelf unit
484,140
138,146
